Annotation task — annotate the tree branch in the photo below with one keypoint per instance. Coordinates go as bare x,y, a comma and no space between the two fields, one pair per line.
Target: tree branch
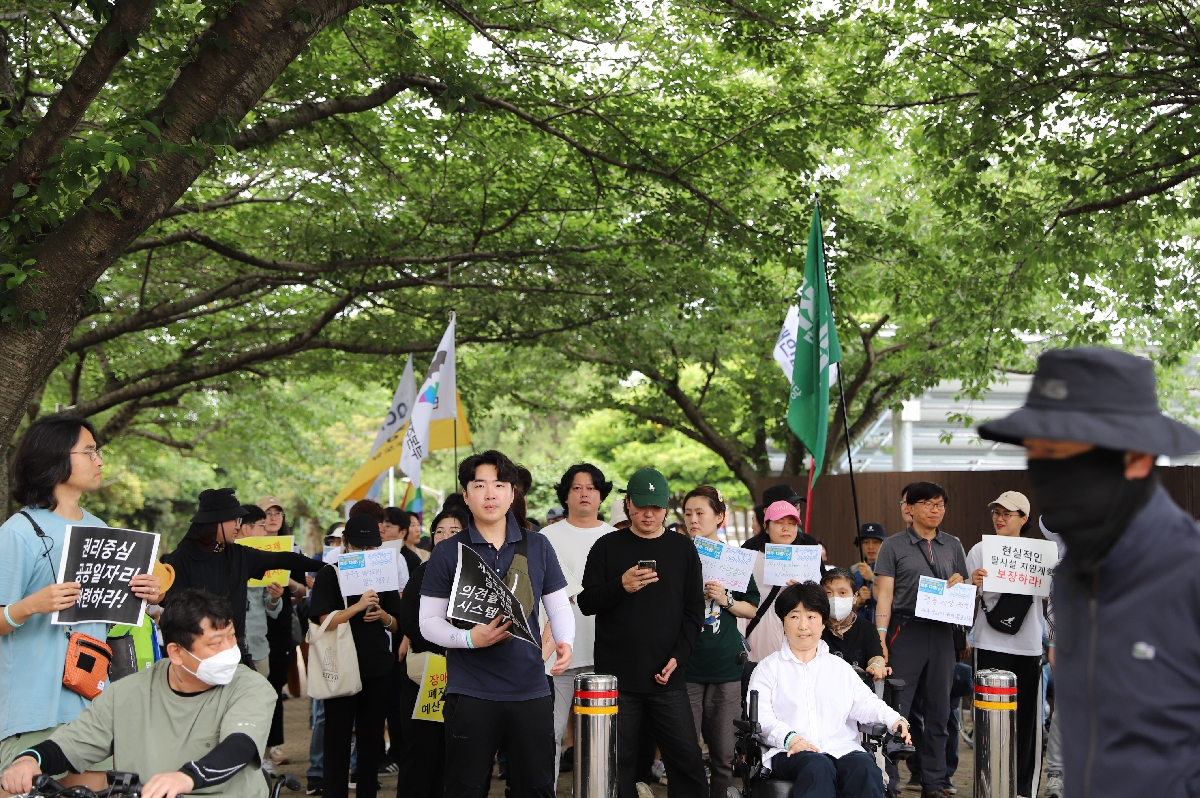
128,19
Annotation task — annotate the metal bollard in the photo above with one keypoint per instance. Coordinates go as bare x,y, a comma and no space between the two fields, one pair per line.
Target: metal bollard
995,734
595,736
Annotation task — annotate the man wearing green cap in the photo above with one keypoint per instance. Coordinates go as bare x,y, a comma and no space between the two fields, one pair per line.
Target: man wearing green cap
646,590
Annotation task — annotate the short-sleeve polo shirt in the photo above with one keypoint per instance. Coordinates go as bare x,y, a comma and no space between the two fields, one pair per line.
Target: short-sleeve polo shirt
906,557
510,671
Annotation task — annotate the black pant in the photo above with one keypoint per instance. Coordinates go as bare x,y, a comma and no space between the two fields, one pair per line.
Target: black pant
422,751
360,714
394,713
476,729
916,721
922,652
277,675
669,716
814,775
1028,670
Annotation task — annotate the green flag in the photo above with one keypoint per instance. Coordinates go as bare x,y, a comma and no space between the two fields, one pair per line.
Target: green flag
816,350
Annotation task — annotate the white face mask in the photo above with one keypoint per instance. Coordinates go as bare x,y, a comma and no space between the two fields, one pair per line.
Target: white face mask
218,669
840,607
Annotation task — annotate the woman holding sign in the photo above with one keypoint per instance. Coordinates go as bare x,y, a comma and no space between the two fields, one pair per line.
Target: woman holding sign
714,674
1008,634
370,615
765,630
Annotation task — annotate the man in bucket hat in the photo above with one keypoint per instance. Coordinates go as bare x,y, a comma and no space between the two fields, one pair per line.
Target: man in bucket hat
1125,676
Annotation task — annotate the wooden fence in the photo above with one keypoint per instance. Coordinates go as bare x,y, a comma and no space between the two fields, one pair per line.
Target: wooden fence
966,513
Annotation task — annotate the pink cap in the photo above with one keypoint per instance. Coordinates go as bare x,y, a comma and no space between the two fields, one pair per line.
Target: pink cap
781,509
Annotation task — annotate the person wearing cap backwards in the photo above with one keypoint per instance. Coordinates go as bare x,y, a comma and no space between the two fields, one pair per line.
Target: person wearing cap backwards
870,539
1007,635
371,616
496,691
647,622
208,558
1125,667
920,651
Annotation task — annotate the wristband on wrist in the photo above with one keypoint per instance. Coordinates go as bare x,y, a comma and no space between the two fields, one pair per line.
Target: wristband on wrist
469,643
787,741
1051,645
14,625
881,629
32,753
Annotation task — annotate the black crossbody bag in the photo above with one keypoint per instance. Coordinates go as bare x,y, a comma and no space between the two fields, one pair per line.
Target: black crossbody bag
1009,612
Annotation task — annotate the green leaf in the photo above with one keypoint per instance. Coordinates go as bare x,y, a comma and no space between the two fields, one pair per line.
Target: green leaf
19,190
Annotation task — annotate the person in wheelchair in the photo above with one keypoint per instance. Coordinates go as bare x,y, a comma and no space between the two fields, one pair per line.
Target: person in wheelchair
810,703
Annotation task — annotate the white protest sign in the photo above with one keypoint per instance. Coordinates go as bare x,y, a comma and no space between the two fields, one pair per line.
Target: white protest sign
937,602
360,571
783,563
1018,565
729,565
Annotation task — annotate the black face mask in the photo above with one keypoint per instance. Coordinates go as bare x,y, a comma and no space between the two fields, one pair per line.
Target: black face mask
1088,500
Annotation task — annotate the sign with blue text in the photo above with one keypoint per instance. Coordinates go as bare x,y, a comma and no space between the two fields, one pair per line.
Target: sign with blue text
938,602
787,563
360,571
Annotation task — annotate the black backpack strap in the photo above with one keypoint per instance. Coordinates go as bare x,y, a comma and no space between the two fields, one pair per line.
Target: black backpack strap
762,608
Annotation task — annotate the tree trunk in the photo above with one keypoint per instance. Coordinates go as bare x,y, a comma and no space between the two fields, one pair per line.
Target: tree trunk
259,40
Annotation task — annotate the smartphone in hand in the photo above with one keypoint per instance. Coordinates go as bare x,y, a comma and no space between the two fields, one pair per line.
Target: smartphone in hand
649,565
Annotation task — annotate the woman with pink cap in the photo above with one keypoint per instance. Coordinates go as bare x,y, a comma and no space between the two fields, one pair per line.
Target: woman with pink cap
765,631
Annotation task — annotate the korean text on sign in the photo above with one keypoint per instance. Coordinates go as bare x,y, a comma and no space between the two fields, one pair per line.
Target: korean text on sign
269,543
433,690
478,595
937,602
781,564
1018,565
361,571
729,565
103,560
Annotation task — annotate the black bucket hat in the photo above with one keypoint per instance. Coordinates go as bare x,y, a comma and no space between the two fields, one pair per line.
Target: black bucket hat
1098,396
217,505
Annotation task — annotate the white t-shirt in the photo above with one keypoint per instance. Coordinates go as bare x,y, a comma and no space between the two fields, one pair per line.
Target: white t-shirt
572,545
1026,642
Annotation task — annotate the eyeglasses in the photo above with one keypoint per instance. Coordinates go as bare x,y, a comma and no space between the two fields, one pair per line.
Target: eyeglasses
93,452
1000,513
933,507
274,513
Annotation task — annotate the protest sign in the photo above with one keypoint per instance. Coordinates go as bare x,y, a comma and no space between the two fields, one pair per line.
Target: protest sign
402,573
937,602
269,543
330,554
729,565
1018,565
478,595
782,563
433,690
360,571
103,560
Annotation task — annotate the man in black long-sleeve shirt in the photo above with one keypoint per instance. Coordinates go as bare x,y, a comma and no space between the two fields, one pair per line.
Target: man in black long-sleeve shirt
647,622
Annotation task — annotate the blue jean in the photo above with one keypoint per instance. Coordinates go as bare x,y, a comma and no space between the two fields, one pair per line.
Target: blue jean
854,775
316,744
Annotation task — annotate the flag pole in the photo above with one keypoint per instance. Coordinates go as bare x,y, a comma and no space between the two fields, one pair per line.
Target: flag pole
808,498
845,414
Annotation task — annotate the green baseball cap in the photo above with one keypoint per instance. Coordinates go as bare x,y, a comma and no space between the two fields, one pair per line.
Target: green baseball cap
648,487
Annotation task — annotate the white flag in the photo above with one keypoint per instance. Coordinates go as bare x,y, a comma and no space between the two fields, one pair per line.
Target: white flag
436,399
400,408
785,346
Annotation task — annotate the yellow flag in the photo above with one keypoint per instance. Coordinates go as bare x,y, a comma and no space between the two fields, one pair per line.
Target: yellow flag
441,436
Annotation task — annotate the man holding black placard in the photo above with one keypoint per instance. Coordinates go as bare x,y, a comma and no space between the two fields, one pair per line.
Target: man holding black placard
646,590
497,690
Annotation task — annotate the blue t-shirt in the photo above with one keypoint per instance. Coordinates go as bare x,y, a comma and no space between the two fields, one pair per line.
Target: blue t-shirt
511,671
32,657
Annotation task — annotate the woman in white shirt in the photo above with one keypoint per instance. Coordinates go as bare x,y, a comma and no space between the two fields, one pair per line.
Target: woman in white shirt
809,705
1018,648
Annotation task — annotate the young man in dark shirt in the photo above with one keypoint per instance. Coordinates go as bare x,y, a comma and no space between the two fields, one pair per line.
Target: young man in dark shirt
646,590
846,634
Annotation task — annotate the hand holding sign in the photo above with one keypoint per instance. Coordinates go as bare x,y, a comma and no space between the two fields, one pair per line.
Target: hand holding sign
1018,565
938,601
729,565
101,564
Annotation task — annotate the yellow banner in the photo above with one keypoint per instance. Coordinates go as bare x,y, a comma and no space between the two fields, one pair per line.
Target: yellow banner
433,690
269,543
441,436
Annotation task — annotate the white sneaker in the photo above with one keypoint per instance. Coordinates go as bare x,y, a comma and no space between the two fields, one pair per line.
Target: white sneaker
1054,786
644,790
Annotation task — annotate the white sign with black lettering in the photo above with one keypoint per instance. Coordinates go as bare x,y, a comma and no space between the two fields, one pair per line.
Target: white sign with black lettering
1018,565
938,602
360,571
729,565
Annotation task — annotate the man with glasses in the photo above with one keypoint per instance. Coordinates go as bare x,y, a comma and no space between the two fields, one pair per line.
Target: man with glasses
918,649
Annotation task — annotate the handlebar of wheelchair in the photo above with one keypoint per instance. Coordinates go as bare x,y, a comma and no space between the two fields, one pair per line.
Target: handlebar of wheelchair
753,714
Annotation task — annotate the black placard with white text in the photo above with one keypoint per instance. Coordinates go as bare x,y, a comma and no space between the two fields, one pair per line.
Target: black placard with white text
478,595
103,560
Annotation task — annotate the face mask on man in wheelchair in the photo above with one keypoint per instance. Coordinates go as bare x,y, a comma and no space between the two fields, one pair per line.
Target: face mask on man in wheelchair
785,746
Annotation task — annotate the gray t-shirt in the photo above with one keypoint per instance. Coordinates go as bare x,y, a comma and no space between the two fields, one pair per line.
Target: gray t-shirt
257,612
906,557
148,728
